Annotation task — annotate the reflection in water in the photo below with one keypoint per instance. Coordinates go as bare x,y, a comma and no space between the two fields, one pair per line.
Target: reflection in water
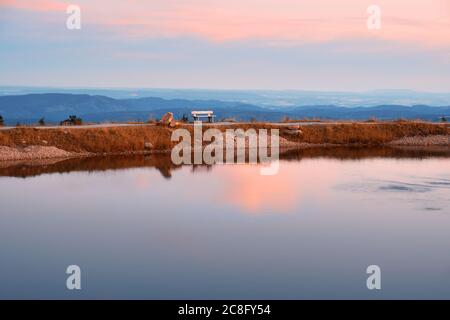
225,231
163,163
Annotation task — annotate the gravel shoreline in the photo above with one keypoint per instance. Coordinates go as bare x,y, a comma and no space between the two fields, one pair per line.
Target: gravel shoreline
34,153
437,140
50,152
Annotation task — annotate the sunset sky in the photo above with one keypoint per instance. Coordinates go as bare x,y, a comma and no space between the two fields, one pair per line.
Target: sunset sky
227,44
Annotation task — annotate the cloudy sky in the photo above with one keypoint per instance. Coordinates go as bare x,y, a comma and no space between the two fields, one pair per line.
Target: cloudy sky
227,44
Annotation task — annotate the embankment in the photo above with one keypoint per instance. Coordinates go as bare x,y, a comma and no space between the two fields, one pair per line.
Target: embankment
40,143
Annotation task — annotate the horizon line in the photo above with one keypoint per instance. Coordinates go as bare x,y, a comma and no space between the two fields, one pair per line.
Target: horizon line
223,89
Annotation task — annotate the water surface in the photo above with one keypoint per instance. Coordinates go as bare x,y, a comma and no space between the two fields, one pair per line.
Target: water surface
140,227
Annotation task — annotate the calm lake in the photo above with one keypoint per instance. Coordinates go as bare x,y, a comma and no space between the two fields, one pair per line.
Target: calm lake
140,227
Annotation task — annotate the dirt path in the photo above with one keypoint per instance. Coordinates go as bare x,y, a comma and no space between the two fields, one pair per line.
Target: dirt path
86,126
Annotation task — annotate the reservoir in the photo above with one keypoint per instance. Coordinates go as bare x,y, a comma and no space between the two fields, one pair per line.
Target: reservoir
141,227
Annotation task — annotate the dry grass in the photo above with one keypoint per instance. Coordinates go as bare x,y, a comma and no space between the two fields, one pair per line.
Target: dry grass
96,140
368,133
132,139
354,133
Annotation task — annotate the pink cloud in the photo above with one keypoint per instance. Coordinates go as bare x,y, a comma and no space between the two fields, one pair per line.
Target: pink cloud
35,5
418,21
424,22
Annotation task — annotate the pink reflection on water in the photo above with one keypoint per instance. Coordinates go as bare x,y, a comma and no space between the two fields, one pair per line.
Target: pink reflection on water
244,187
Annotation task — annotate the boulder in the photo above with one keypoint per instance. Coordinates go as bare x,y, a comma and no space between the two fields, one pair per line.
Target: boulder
294,132
148,146
167,119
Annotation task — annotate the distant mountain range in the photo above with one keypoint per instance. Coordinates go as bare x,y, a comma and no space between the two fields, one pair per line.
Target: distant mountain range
262,98
55,107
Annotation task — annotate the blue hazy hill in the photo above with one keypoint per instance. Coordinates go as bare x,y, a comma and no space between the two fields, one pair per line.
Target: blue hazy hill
54,107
